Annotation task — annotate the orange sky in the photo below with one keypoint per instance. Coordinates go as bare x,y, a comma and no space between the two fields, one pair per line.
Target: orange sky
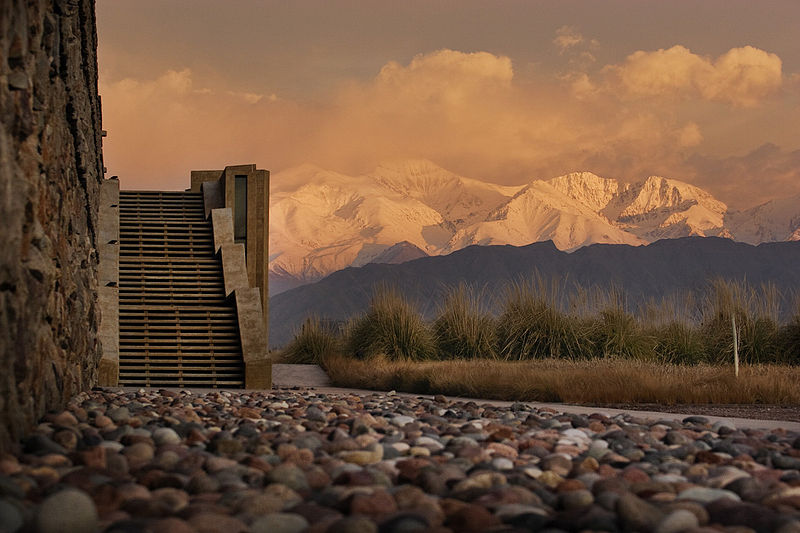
505,91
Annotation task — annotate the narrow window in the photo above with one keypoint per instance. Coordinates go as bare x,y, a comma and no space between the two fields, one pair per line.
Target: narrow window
240,210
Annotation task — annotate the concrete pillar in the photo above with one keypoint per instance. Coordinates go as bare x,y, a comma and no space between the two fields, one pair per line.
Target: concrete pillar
108,283
257,365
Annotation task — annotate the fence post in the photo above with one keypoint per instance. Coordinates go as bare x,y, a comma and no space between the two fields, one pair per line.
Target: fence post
735,346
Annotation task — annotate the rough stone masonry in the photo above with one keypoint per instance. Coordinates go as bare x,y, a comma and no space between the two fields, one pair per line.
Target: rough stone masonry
50,172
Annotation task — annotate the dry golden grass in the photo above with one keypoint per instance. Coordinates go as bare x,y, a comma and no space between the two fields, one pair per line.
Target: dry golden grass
603,381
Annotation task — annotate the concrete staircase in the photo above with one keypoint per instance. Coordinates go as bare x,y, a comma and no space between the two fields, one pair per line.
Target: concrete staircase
176,326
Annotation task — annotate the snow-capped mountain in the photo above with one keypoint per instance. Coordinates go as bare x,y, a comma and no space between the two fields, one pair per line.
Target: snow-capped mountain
323,221
776,220
541,212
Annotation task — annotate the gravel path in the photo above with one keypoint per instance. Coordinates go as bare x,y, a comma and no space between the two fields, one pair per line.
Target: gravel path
287,461
753,411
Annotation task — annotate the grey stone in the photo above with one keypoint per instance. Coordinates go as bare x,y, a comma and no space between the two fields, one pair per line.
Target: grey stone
67,511
699,420
315,413
576,499
353,524
279,523
734,513
502,463
598,448
9,487
163,436
707,495
676,437
785,462
11,518
289,475
677,521
637,514
119,415
401,420
405,523
18,80
41,445
723,427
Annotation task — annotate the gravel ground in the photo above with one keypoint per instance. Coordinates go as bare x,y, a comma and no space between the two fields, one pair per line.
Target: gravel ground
291,461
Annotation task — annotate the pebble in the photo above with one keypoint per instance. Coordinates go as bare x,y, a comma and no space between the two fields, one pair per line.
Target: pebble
279,523
289,475
67,511
677,521
163,436
576,499
298,460
637,514
11,518
707,495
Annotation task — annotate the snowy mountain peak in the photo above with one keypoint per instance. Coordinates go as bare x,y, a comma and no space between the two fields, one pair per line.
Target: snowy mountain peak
294,178
417,177
323,221
460,200
776,220
658,193
587,188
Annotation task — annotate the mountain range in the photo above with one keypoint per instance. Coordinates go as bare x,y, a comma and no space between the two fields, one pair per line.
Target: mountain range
323,221
648,272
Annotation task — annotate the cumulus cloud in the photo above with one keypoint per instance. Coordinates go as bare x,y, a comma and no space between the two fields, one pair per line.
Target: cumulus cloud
465,111
741,77
160,129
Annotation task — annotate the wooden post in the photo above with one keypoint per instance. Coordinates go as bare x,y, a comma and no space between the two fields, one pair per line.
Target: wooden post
735,346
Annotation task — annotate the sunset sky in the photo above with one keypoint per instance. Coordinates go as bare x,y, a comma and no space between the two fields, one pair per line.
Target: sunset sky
507,91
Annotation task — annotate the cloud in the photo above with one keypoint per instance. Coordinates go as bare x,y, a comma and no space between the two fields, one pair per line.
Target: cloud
567,37
689,135
445,77
742,77
467,111
742,181
160,129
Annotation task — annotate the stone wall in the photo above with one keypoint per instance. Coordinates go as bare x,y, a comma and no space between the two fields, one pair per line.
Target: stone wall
50,172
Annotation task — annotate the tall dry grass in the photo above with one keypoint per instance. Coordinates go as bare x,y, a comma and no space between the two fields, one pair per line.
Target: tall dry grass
391,327
557,380
534,326
313,341
463,328
755,310
545,320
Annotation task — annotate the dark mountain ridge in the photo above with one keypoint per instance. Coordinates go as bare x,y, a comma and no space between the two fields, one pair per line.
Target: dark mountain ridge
643,272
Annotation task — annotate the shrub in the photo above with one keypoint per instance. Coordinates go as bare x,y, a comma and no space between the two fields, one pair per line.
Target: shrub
789,339
462,329
616,333
678,343
532,326
672,324
392,327
312,343
755,313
